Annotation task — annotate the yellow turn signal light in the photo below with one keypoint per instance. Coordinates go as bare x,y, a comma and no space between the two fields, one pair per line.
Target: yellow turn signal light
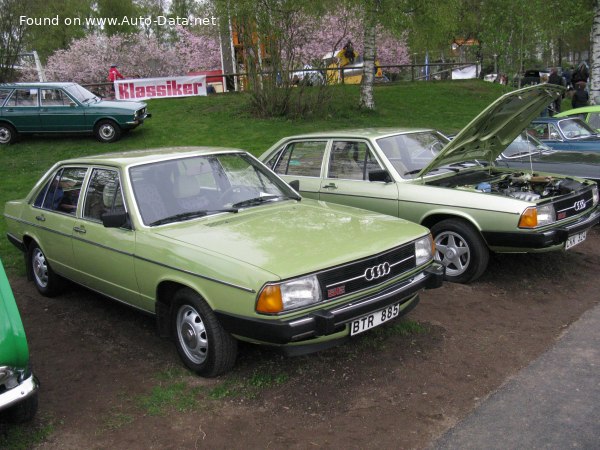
529,218
270,301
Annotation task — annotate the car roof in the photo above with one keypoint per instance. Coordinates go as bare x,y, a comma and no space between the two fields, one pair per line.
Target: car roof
58,84
369,133
135,157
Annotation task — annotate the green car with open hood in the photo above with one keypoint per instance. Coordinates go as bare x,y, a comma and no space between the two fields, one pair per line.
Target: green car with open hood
452,187
219,248
18,385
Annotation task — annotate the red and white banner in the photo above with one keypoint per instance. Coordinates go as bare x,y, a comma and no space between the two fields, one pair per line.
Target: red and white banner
146,88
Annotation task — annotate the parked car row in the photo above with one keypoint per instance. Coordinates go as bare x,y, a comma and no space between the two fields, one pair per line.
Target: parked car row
220,248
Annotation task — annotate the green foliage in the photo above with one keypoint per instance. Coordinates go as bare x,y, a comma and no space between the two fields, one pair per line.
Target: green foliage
236,387
171,395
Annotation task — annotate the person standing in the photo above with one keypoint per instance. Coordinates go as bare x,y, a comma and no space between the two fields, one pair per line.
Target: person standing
114,75
555,78
580,96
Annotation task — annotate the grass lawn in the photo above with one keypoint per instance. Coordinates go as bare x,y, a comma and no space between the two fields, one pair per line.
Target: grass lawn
221,120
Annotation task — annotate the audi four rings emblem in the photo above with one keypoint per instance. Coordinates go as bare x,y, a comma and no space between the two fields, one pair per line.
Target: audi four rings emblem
579,205
378,271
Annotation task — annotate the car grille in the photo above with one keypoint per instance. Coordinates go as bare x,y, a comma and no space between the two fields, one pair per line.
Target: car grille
368,272
573,206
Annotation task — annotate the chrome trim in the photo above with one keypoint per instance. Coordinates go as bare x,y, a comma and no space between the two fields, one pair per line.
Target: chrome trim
363,275
26,389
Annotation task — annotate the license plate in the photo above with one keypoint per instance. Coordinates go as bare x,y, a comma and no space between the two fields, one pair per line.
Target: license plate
575,239
374,319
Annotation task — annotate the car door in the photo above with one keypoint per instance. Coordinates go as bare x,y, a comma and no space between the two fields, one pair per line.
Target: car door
104,256
347,179
301,160
54,215
22,110
58,112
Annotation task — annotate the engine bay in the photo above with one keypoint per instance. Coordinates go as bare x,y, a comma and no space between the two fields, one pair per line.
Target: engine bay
520,185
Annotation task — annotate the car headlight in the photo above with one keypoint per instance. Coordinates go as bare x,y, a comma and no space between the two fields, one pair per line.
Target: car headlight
424,250
289,295
537,216
595,195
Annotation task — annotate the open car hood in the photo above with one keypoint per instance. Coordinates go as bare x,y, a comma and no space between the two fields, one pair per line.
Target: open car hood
496,126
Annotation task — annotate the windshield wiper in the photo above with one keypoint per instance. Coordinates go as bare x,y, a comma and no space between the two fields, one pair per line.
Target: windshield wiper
412,172
259,200
190,215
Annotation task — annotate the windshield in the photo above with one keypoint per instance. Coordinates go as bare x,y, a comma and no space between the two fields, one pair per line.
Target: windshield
524,145
575,129
81,94
409,153
186,188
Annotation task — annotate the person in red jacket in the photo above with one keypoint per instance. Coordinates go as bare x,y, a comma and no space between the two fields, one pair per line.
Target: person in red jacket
114,74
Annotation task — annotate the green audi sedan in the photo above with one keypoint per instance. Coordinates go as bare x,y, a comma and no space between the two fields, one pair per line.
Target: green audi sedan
472,206
18,385
27,108
219,249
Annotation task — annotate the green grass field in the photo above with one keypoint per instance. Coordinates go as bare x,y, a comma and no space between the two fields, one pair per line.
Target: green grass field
222,120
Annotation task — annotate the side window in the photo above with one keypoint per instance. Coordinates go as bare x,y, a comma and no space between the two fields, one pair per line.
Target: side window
594,120
103,194
552,133
4,93
351,161
301,159
53,97
23,97
62,191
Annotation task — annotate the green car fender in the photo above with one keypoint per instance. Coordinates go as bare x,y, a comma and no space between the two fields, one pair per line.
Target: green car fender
13,342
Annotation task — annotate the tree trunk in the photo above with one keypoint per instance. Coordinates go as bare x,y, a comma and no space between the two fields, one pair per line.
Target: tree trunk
595,59
367,99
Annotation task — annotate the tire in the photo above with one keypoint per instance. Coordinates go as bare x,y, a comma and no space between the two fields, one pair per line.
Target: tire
461,249
107,131
202,343
8,134
46,281
23,411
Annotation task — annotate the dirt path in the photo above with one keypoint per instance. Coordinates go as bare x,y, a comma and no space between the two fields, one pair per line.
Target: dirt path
108,381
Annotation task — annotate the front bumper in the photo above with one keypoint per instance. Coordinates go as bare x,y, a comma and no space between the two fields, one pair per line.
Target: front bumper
328,321
543,239
138,121
25,389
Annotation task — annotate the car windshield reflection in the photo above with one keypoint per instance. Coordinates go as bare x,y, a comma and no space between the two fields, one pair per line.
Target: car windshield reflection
187,188
81,93
409,153
575,129
524,145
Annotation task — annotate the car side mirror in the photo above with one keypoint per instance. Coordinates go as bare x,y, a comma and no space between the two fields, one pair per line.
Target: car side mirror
554,136
72,104
116,220
379,175
295,185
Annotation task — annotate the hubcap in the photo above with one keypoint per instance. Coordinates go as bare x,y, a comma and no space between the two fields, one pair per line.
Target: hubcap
453,252
192,334
107,132
40,268
4,135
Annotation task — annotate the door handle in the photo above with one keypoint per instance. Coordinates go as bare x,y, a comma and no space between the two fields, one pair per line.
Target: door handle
40,218
79,230
10,110
330,186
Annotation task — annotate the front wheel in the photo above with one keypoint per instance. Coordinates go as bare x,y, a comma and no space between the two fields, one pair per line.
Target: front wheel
202,343
460,248
107,131
46,281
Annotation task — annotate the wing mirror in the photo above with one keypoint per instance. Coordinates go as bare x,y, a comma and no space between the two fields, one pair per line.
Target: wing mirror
379,175
116,220
295,185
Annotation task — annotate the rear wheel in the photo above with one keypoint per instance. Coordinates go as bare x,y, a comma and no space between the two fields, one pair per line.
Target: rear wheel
8,134
46,281
460,248
203,345
107,131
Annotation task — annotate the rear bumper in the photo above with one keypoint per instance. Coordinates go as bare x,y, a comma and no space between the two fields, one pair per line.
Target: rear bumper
328,321
543,239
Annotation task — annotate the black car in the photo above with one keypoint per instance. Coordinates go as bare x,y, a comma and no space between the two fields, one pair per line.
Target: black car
529,154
